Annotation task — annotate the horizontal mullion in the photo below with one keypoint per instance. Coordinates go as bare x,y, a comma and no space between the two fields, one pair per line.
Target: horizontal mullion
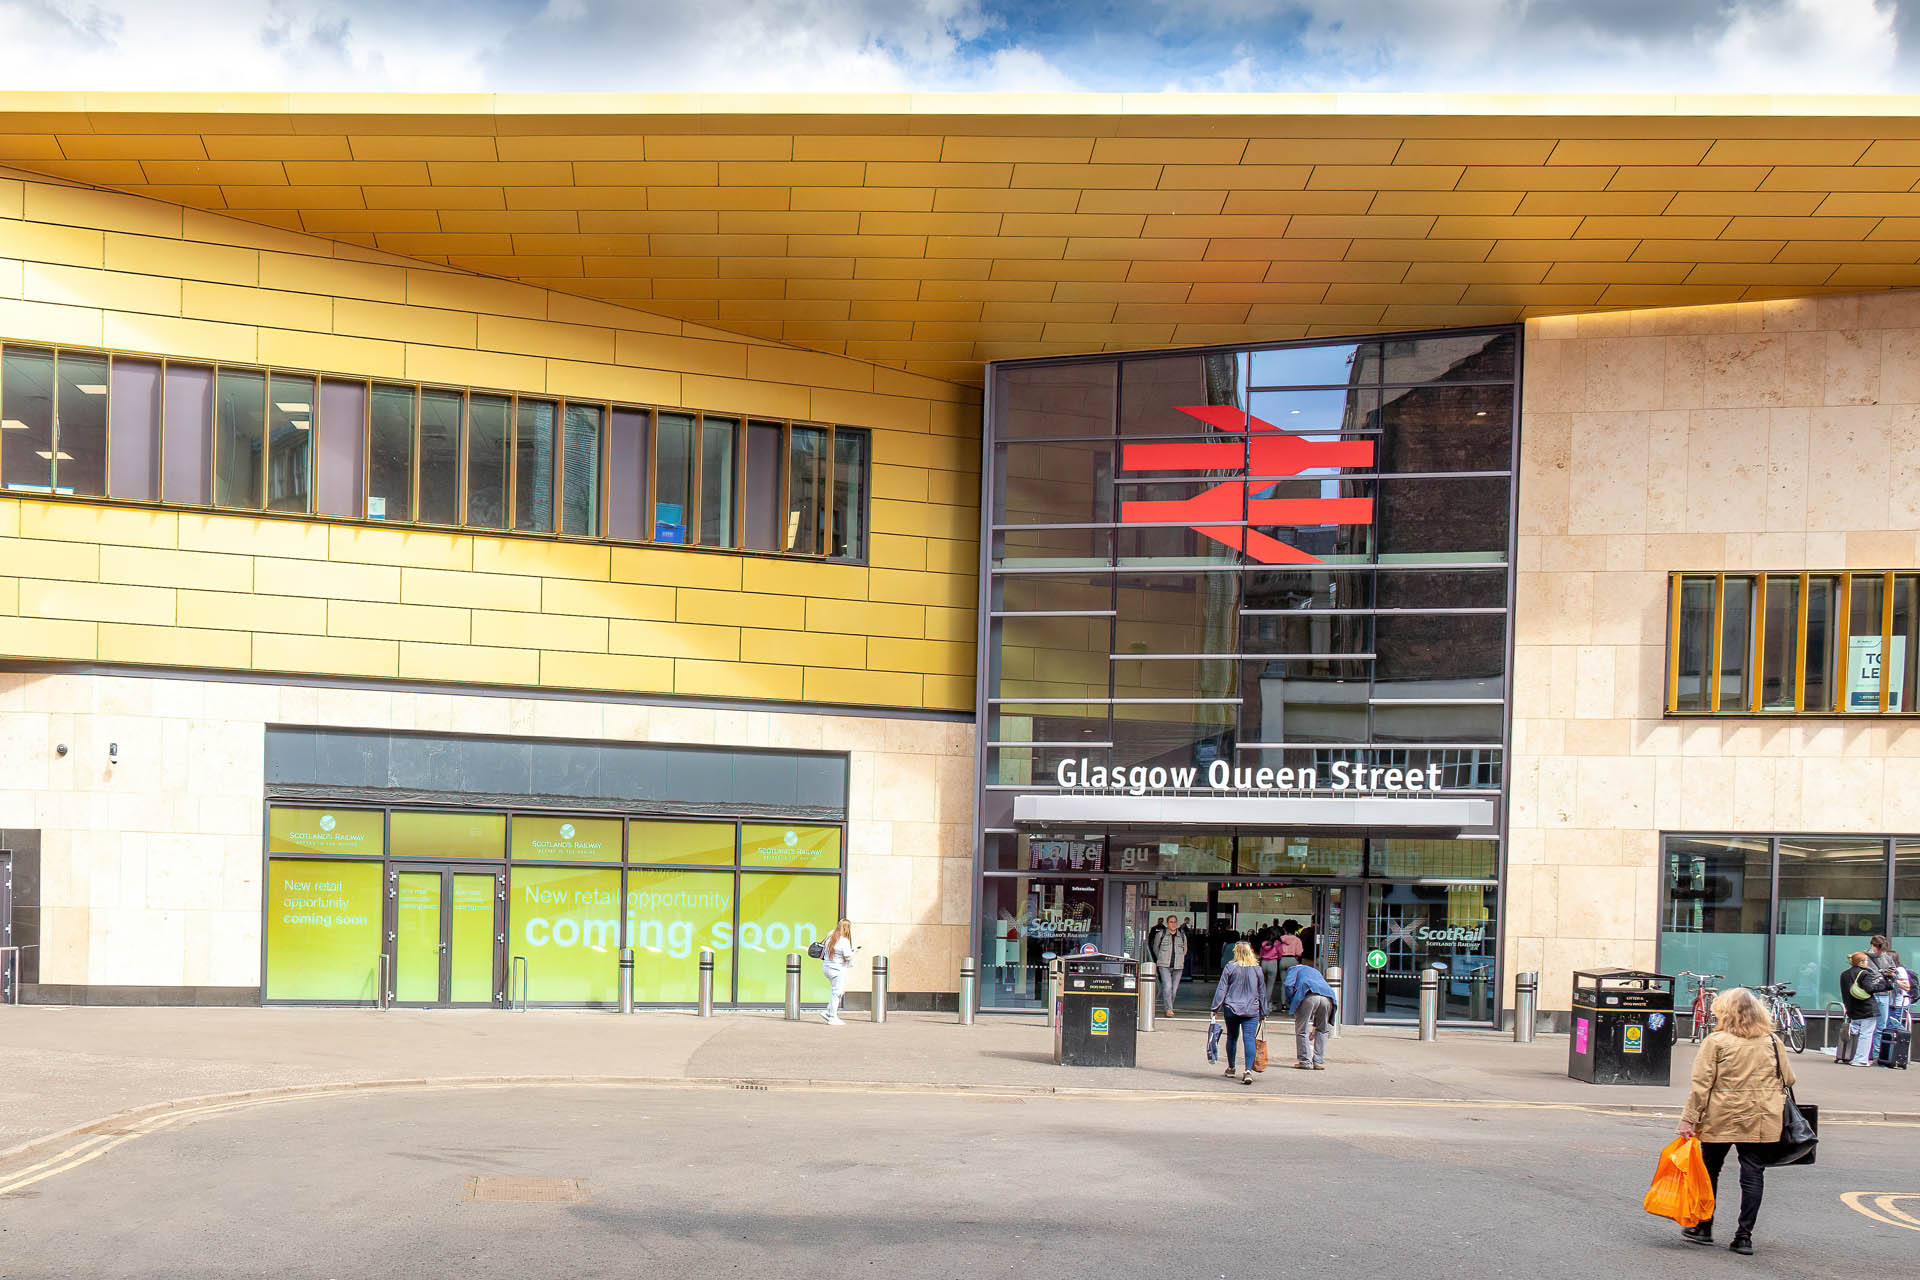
1437,702
1315,613
1235,657
1053,613
1115,702
1374,746
1090,746
1237,566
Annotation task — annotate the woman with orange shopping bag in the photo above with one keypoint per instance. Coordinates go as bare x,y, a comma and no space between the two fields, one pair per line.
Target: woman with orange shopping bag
1739,1094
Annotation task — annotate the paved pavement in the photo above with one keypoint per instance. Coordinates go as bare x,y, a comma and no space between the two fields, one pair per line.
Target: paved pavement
62,1067
772,1182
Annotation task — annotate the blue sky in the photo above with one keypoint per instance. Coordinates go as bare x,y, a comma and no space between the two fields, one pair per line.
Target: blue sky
930,45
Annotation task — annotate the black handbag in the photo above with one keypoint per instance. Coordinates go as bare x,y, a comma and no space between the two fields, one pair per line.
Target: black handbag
1799,1126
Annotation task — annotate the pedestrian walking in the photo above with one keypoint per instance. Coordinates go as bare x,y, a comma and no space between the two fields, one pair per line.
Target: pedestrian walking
1860,987
1293,947
1267,945
836,961
1880,959
1239,1001
1167,944
1739,1091
1308,996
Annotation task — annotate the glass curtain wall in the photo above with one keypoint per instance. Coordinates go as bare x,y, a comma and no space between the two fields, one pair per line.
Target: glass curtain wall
1785,908
1280,557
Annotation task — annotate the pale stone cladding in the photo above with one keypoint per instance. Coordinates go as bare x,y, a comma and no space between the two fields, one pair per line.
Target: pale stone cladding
151,866
1777,435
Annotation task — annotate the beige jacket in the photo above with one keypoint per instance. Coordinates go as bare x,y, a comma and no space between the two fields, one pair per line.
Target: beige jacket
1737,1094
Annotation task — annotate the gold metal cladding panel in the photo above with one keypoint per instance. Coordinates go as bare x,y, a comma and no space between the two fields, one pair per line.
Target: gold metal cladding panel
840,223
225,591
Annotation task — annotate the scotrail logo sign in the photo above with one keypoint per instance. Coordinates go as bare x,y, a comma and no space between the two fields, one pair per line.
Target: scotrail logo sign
1256,454
1415,936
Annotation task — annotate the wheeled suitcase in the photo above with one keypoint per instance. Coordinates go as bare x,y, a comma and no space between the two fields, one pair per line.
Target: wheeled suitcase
1849,1043
1896,1045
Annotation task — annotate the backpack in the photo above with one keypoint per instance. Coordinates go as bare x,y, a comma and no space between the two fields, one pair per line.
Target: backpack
818,950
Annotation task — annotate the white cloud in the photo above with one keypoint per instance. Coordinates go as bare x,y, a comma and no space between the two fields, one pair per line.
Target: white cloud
1809,45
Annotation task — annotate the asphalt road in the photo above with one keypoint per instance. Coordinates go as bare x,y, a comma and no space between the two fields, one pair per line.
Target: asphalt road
711,1183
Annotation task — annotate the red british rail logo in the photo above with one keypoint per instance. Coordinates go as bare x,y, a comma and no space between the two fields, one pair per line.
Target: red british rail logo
1252,448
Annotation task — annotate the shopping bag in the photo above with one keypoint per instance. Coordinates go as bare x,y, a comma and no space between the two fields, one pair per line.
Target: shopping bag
1259,1053
1681,1189
1213,1040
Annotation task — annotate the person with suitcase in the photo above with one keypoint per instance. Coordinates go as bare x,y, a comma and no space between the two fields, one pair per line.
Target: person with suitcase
1896,1038
1860,982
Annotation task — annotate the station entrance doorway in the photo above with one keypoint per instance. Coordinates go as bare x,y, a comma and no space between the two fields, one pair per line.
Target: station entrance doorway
1218,913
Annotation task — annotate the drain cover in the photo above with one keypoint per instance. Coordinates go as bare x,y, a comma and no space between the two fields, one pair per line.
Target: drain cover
511,1190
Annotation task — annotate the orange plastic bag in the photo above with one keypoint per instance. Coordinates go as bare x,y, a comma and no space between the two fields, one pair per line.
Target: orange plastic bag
1681,1189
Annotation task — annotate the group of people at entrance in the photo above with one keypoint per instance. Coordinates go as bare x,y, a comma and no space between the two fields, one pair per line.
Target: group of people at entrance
1243,999
1878,992
1277,947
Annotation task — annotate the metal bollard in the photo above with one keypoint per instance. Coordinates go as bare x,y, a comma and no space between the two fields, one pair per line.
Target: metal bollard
384,996
626,979
1149,994
969,991
706,982
1526,1006
1335,981
1053,994
879,988
793,986
1429,1004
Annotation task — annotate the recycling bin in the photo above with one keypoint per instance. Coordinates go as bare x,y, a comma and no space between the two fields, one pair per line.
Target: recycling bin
1622,1027
1099,1012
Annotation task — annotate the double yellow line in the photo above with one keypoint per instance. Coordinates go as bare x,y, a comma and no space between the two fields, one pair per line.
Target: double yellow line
1883,1208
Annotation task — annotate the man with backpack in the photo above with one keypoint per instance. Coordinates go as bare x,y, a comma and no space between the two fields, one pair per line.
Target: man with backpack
1880,959
1896,1042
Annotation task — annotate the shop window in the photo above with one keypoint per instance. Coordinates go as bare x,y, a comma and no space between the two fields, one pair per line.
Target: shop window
542,839
340,469
323,930
1449,927
1024,923
1832,900
781,914
671,917
673,478
1845,643
698,843
718,481
535,464
1715,915
80,428
789,847
462,836
290,415
1300,855
133,409
1903,929
628,439
440,415
349,832
489,466
1420,859
390,460
580,473
186,471
764,501
564,923
1180,853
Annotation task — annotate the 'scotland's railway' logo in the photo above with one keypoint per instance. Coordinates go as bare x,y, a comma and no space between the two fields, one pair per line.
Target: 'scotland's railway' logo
1252,448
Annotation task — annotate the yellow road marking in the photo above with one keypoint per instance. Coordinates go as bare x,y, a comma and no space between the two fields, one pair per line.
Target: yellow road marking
1885,1208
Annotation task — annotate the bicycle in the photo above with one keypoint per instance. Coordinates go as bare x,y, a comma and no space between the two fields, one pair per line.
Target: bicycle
1788,1022
1703,994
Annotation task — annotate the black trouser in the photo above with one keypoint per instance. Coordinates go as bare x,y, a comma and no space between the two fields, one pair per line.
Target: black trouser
1753,1178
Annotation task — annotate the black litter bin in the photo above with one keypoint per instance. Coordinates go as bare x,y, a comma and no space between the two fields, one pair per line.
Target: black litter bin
1099,1012
1622,1027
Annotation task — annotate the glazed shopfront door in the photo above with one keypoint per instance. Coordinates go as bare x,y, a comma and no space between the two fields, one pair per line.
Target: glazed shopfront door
444,935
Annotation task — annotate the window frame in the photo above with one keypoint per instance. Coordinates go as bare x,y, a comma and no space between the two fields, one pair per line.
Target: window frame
1756,581
606,407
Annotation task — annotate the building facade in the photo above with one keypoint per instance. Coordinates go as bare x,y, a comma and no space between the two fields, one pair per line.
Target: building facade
441,549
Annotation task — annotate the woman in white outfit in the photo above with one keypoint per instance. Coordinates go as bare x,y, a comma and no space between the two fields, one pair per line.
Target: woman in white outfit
835,962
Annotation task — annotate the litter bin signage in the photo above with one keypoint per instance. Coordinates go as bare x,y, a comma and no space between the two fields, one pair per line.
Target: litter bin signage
1622,1027
1099,1012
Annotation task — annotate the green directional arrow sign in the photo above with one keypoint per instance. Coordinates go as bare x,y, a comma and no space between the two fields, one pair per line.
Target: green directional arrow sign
1376,959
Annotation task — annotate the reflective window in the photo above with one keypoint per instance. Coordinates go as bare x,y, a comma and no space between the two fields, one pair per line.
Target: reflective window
1047,401
1832,900
440,417
186,473
765,501
849,519
80,445
239,438
390,460
580,483
1714,917
290,417
673,478
535,466
489,469
718,481
628,447
1025,922
1441,926
807,499
26,419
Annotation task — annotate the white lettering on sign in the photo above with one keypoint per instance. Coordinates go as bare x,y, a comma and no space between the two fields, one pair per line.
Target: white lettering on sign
1083,775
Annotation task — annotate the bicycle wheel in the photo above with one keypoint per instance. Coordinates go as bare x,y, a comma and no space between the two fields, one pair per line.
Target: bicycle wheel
1793,1028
